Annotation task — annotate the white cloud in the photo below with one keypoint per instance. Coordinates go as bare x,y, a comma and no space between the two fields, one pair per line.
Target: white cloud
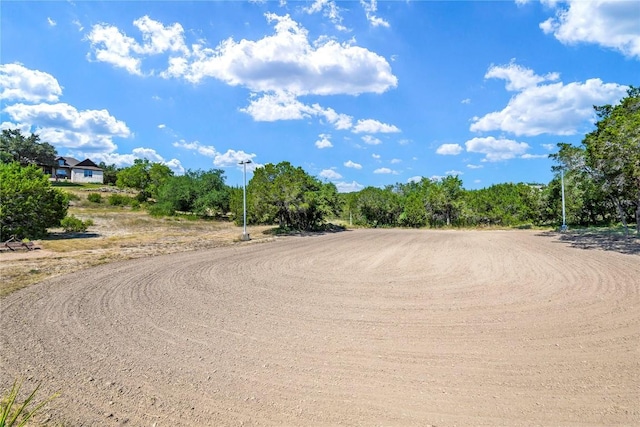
233,157
517,76
78,24
63,125
148,153
324,141
277,68
51,22
370,8
175,166
338,120
454,172
22,127
229,158
612,24
330,174
549,147
376,156
466,101
120,160
203,150
449,149
416,179
395,161
159,39
385,171
470,166
496,150
65,116
110,45
348,187
374,126
534,156
276,106
371,140
353,165
329,9
271,107
554,108
288,61
162,126
153,156
124,160
22,84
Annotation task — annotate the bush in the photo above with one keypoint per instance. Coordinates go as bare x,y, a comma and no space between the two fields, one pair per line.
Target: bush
29,204
71,224
94,197
119,200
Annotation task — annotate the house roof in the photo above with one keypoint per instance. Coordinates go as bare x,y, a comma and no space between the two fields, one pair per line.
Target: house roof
87,162
68,161
75,163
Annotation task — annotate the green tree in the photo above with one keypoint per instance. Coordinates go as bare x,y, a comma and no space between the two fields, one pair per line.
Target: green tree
379,207
288,196
444,201
414,214
15,147
28,203
587,202
612,152
144,176
109,172
505,204
198,192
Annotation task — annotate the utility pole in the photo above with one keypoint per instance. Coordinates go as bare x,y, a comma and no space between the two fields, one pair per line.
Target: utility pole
245,235
564,211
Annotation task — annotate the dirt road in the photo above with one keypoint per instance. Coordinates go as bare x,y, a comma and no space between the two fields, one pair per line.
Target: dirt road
365,327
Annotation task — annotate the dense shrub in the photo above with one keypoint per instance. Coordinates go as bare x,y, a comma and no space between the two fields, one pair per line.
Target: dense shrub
120,200
28,204
94,197
71,224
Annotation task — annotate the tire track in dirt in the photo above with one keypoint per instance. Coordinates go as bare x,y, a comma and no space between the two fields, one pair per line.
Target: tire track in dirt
363,327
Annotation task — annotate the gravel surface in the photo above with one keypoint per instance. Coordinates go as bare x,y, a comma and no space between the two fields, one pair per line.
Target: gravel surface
364,327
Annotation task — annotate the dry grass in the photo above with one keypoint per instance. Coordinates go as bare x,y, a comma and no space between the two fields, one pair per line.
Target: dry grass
118,234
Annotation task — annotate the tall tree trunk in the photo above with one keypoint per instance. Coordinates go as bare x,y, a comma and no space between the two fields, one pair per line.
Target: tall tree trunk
622,216
638,211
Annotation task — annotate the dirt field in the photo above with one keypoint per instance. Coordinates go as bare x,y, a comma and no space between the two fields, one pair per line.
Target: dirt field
364,327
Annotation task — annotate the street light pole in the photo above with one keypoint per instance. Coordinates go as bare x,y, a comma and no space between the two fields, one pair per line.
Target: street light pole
245,235
564,212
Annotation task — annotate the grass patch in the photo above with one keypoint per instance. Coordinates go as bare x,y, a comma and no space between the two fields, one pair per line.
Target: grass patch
14,413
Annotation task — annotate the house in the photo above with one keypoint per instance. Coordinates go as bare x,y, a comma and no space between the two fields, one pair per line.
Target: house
77,171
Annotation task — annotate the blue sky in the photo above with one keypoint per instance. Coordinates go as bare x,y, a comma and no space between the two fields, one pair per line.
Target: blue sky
359,93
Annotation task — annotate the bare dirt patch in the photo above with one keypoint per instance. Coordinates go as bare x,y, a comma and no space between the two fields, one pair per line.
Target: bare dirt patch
116,235
365,327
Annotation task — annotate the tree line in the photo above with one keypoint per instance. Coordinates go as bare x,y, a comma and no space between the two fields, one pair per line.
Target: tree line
601,180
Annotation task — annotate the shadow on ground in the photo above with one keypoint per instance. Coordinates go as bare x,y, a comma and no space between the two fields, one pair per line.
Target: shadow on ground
328,229
66,236
585,239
